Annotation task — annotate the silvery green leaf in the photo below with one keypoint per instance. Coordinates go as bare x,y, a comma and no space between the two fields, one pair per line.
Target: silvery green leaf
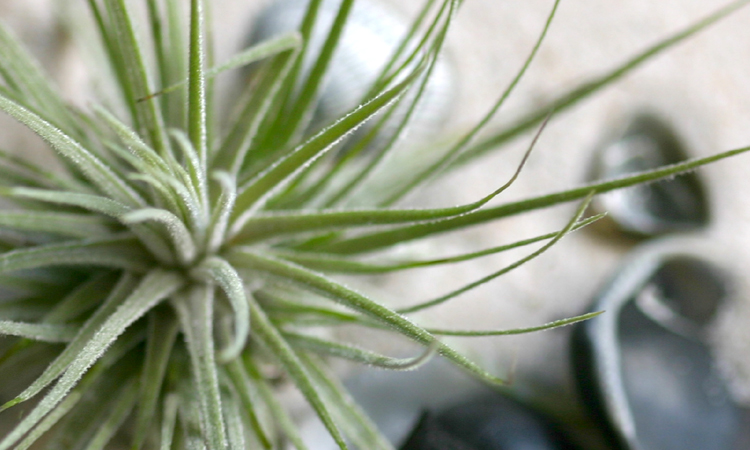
162,333
196,171
283,420
146,155
123,404
453,294
262,226
168,421
84,297
355,423
331,264
383,239
135,77
262,50
195,310
90,165
244,259
93,203
25,75
267,333
450,156
222,210
250,399
27,284
231,154
154,287
63,224
189,414
595,85
28,173
357,354
38,331
225,276
197,121
261,186
235,424
118,252
50,420
513,331
85,334
301,107
180,236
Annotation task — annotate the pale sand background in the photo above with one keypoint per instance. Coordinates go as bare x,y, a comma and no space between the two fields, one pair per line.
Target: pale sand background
702,87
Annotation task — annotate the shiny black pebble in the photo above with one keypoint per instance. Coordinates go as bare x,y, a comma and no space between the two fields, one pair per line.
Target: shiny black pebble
492,422
667,206
644,368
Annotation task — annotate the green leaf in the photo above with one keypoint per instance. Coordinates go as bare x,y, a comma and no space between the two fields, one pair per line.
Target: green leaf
450,156
92,167
235,424
101,386
85,297
38,331
277,306
93,203
35,284
196,180
514,331
148,156
164,194
25,76
62,224
197,83
267,333
223,274
123,405
357,354
249,396
119,252
270,398
384,239
152,240
169,419
167,29
259,103
245,259
262,50
439,29
222,210
162,333
195,310
193,437
587,89
359,427
157,285
50,420
261,187
181,237
86,333
451,295
147,116
261,226
294,120
17,168
329,264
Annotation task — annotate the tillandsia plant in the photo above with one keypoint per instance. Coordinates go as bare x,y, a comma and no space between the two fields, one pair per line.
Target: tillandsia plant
161,284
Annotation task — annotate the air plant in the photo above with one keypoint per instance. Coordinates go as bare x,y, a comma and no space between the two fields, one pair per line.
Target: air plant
163,283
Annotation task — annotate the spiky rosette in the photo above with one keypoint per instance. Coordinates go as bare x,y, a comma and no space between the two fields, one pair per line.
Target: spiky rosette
167,223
